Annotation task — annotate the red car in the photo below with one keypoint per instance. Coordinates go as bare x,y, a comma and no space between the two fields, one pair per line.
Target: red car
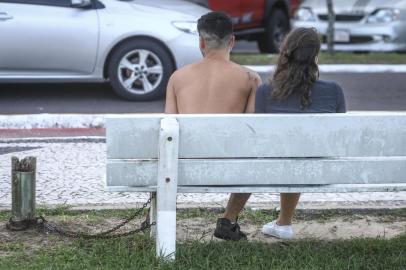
266,21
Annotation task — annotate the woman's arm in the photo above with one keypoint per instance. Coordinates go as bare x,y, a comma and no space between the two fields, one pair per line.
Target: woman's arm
261,99
341,106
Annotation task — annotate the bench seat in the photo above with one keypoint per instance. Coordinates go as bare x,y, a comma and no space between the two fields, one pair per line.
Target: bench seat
170,154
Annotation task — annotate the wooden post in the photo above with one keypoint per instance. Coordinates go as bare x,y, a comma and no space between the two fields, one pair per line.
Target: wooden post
330,29
167,188
22,192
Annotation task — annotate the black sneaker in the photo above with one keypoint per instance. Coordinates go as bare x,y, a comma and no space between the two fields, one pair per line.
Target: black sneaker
228,231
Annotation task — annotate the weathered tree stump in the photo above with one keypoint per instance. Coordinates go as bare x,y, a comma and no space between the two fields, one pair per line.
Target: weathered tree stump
23,193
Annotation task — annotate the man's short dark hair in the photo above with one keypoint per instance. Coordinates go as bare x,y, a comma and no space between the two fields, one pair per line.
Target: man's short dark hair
216,23
216,28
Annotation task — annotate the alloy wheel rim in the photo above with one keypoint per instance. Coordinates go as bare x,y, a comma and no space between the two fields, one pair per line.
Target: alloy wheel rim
140,71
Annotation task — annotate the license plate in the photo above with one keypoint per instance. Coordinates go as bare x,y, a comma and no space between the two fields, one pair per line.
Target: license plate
341,36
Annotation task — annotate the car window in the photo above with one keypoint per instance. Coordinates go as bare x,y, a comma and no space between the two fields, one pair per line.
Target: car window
58,3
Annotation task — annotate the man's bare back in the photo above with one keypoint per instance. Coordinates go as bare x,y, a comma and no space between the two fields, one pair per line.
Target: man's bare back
213,85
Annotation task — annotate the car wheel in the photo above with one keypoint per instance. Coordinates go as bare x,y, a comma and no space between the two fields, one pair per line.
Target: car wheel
277,26
139,69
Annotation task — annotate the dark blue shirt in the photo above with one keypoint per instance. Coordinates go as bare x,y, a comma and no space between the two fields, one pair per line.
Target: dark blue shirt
326,97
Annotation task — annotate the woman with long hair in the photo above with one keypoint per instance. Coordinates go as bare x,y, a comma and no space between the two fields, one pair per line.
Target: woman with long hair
295,88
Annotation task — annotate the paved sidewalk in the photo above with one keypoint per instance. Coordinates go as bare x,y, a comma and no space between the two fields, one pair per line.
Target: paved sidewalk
71,171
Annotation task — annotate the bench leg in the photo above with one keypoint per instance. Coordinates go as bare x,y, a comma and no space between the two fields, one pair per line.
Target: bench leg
152,214
166,227
167,188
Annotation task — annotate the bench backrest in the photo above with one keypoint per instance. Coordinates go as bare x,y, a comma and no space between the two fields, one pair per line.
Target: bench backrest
362,148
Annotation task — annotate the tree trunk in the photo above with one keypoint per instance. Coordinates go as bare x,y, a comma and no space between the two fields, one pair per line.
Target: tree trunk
330,29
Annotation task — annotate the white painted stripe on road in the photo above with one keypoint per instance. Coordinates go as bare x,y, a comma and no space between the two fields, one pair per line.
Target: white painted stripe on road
354,68
72,121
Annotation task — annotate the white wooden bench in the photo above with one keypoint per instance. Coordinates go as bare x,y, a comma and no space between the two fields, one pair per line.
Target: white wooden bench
168,154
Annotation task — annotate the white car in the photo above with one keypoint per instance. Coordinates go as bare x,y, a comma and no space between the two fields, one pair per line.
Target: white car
361,25
135,44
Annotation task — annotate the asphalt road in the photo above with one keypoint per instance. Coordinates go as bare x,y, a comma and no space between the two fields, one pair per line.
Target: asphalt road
378,92
363,92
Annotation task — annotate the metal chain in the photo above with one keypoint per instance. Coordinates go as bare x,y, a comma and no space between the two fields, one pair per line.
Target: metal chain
42,222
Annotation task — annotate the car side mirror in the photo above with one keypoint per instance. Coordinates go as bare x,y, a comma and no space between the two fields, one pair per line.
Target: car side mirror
81,3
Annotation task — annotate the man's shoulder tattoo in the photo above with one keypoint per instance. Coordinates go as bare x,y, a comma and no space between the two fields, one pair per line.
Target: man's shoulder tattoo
252,76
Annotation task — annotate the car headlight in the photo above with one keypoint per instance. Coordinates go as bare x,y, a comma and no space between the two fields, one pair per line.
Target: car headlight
305,14
384,16
186,26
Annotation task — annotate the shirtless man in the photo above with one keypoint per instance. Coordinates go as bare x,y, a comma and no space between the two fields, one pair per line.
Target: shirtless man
215,85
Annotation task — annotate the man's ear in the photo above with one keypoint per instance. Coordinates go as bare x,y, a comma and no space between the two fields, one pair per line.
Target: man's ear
202,44
232,42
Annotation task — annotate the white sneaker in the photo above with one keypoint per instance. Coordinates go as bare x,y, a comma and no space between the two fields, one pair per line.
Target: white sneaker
273,229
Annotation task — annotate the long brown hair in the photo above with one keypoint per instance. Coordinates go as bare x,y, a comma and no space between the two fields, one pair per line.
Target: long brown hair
297,68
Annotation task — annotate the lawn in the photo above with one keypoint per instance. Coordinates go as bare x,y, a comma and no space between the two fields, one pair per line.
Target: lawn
325,58
138,251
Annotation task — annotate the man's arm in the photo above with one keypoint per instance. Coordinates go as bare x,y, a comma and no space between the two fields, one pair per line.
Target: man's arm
170,104
254,81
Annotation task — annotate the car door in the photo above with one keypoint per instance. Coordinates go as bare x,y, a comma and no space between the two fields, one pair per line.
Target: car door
47,38
231,7
244,13
252,12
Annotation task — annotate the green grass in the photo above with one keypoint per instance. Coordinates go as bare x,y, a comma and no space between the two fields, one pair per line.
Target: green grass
12,246
4,215
255,216
66,211
262,216
325,58
139,253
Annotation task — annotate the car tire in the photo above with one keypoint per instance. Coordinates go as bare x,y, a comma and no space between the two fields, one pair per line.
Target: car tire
277,26
139,70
